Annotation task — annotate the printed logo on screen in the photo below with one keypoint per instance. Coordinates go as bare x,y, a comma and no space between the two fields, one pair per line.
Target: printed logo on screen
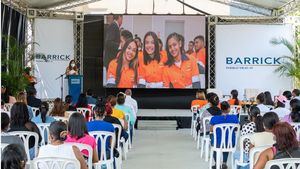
251,62
40,57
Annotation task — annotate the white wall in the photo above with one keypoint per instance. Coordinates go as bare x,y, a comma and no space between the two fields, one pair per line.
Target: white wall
240,41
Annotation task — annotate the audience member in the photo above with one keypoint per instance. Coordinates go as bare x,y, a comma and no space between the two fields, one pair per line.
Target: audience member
288,95
131,102
58,109
260,100
200,99
13,156
20,122
6,137
268,99
6,96
42,116
286,145
280,109
68,104
296,94
82,103
223,119
89,97
31,98
234,98
294,116
22,98
112,100
57,147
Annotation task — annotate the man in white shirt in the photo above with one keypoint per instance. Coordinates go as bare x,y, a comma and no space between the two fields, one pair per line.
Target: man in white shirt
260,99
130,102
280,110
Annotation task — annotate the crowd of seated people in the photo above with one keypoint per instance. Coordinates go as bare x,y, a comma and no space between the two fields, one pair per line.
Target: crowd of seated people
75,130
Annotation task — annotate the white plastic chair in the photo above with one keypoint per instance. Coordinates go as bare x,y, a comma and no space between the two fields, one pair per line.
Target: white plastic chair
55,163
296,127
103,137
205,140
63,119
118,147
194,110
285,163
8,106
226,145
235,109
44,130
3,145
92,106
254,152
25,135
34,110
89,149
241,160
84,112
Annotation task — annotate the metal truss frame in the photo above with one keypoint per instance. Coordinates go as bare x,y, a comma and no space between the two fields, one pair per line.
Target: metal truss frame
287,8
213,21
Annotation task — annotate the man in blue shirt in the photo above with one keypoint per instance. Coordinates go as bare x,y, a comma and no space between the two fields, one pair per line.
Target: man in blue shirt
223,119
90,98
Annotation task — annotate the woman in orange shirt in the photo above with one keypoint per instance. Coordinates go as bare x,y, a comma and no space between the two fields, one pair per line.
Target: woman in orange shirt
234,98
181,71
200,99
122,72
151,63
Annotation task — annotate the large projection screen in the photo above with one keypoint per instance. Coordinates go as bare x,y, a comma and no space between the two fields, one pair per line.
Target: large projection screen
161,51
245,58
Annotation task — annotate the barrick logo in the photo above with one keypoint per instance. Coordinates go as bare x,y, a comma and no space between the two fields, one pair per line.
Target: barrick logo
253,61
51,57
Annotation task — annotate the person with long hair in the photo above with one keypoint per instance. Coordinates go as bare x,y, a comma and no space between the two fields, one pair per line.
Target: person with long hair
6,95
181,71
13,156
72,68
123,72
234,98
58,109
268,98
58,148
294,116
200,99
288,95
286,145
20,122
78,133
151,63
42,116
21,97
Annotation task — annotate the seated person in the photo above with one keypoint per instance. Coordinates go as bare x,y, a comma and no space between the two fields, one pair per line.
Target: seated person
200,100
13,156
68,104
234,98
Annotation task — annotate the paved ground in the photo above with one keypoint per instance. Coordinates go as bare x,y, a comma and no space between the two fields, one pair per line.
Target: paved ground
164,149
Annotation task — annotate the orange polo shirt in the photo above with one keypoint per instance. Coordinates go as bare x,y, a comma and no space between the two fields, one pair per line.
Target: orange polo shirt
183,76
201,103
231,102
127,79
200,56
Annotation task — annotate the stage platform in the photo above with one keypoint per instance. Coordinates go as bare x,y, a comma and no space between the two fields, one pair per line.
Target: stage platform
181,116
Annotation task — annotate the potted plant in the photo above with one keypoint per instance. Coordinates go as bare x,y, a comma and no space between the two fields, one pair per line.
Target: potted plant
290,66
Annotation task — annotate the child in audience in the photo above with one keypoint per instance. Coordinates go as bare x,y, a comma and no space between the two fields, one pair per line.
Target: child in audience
234,98
78,133
286,145
13,156
223,119
57,147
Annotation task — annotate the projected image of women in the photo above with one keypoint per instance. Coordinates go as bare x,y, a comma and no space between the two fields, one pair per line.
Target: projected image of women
122,71
151,63
181,71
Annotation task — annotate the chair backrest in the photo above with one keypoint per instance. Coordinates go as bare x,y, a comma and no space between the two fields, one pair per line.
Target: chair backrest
235,109
63,119
194,109
92,106
205,125
84,112
254,152
55,163
44,130
89,149
103,137
242,141
3,145
25,136
227,132
34,110
296,127
117,126
8,106
285,163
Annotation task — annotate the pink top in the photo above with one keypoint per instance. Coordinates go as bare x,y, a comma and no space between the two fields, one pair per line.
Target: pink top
287,118
86,139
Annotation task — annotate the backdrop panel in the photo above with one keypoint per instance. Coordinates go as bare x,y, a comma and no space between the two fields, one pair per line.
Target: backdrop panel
54,51
245,58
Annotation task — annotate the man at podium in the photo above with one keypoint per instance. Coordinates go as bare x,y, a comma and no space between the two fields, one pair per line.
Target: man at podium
72,68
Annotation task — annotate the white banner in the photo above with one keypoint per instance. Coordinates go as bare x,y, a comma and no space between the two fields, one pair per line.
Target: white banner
54,51
245,58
